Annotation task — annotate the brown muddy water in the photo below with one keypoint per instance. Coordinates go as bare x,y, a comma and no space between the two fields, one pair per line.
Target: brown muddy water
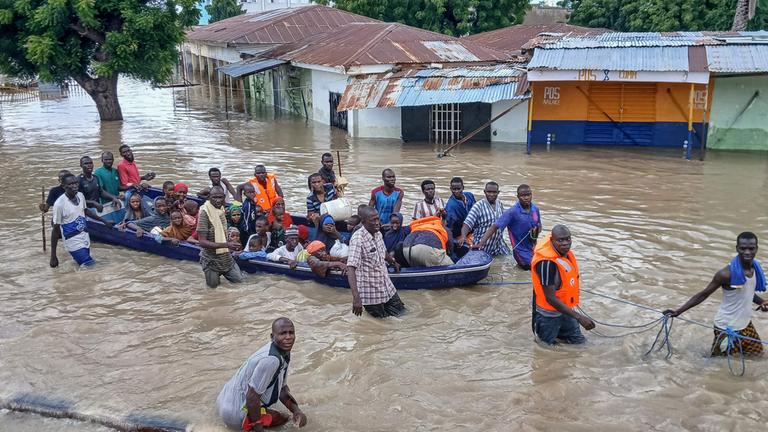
141,334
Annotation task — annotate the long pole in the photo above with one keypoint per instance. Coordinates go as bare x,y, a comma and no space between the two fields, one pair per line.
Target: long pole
42,215
689,147
478,130
338,158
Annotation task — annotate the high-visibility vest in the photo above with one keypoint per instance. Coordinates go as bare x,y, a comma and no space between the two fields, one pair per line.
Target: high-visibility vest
432,224
265,197
567,267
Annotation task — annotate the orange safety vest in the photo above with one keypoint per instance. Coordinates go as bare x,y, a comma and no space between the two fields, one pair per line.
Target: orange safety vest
568,293
432,224
265,198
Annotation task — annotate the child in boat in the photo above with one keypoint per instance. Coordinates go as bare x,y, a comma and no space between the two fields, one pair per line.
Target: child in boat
135,210
278,219
262,240
168,192
177,231
352,223
190,211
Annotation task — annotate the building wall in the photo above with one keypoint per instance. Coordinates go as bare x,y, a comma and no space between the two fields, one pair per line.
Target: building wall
322,84
253,6
513,126
376,123
728,130
229,55
651,114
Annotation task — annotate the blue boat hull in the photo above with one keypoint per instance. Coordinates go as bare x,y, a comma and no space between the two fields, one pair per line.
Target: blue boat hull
472,268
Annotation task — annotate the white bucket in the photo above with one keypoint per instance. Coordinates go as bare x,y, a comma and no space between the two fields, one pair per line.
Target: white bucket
340,209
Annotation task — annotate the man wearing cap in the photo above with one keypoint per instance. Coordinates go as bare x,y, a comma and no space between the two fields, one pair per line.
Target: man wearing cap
244,402
321,262
287,253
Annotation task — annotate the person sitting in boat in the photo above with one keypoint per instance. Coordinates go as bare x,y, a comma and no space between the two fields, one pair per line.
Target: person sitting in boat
190,210
251,212
233,234
353,223
266,187
387,198
303,236
328,234
158,219
397,232
428,244
261,240
740,281
555,278
288,252
180,191
214,174
319,192
177,231
278,220
135,210
168,193
244,402
321,262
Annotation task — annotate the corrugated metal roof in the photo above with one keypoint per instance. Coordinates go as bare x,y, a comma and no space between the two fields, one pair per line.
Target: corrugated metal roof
649,39
249,67
433,86
360,44
661,59
278,26
511,39
738,58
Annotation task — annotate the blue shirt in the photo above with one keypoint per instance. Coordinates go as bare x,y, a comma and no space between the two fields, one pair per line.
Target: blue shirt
385,204
519,223
456,211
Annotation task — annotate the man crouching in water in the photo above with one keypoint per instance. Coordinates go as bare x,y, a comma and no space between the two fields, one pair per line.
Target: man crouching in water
259,382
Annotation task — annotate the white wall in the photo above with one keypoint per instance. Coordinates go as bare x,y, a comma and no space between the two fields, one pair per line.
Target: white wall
324,83
229,55
512,127
253,6
376,123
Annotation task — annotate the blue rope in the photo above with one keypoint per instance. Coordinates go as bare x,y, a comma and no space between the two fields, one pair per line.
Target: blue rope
666,329
732,338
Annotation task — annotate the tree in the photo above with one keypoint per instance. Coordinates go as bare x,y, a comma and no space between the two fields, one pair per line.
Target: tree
93,42
663,15
223,9
451,17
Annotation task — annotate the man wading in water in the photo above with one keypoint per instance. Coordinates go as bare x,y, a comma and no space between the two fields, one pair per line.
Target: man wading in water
212,232
259,383
739,281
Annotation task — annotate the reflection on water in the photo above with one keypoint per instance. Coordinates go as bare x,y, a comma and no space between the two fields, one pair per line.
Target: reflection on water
140,333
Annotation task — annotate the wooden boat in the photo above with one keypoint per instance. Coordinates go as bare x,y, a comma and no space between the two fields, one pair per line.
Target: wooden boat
470,269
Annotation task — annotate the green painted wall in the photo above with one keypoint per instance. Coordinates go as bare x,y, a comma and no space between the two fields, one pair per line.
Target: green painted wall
728,130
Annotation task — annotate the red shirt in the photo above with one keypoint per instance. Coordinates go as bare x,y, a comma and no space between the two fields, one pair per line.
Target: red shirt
128,173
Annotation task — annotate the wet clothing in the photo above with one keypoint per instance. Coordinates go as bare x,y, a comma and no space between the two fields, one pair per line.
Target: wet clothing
745,346
456,211
90,188
385,203
738,277
265,371
366,256
392,307
519,223
562,328
214,262
480,218
736,308
109,180
70,216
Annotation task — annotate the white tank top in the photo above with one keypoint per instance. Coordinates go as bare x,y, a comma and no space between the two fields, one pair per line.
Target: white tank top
736,309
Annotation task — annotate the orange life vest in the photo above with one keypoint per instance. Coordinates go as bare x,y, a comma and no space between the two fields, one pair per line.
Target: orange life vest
265,198
568,293
432,224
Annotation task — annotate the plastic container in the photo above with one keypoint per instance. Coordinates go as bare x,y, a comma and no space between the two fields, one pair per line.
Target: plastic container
340,209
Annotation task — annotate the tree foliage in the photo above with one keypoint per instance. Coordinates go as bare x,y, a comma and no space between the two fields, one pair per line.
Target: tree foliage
452,17
223,9
661,15
93,41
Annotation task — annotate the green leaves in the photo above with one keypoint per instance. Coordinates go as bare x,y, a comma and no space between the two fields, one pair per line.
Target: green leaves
86,12
223,9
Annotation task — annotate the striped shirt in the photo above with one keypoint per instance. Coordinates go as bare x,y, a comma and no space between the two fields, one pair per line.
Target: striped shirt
313,204
480,218
423,209
366,255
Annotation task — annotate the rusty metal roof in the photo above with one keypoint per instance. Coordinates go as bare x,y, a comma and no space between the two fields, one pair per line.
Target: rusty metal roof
377,43
511,39
416,87
279,26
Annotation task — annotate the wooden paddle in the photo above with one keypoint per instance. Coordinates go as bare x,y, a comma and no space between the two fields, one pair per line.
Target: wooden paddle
42,215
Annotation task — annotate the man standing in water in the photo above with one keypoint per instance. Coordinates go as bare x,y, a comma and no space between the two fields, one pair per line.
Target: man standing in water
740,279
214,247
555,279
109,180
69,223
387,198
367,270
458,206
482,217
523,222
259,383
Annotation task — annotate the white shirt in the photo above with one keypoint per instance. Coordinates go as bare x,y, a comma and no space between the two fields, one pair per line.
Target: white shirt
283,252
736,309
71,218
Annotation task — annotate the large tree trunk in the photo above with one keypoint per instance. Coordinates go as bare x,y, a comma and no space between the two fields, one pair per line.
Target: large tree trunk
741,17
103,91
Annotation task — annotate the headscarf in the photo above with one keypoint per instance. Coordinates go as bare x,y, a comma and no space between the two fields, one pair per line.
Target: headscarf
393,237
180,186
179,233
287,219
235,206
248,243
303,233
322,236
315,246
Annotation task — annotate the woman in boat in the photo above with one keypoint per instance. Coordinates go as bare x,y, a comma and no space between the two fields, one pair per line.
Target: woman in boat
397,232
135,210
177,231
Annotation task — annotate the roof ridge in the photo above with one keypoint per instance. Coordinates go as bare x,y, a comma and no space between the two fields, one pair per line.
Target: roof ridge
290,12
371,42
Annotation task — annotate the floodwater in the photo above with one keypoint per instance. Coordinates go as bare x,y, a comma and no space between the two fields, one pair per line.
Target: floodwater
141,335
